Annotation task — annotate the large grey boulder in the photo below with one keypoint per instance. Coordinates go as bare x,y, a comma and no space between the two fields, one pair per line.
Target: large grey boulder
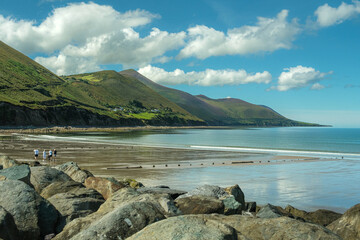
43,176
233,192
77,204
187,227
321,216
271,211
348,226
231,206
163,202
20,172
282,228
34,216
105,186
8,229
125,196
238,195
200,205
160,190
74,171
122,222
207,190
61,187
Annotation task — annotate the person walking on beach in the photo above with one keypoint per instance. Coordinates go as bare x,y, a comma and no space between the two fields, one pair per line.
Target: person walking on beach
50,155
44,155
55,152
36,153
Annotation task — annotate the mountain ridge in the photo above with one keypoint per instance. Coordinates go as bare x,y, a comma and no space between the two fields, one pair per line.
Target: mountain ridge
31,95
220,112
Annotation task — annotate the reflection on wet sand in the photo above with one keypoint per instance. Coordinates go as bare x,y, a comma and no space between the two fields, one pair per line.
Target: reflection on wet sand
143,163
308,183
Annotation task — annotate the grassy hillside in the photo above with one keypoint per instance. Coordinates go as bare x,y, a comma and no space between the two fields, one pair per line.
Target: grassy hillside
25,82
102,98
124,95
239,112
211,114
222,111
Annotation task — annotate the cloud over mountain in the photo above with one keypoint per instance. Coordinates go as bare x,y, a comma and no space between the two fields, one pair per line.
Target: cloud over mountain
299,77
89,34
269,34
209,77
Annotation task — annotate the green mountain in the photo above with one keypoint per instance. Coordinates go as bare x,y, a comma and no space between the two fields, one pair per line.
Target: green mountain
31,95
126,96
211,114
23,81
221,111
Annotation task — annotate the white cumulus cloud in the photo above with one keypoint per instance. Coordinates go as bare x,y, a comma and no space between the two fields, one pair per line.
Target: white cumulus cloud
209,77
327,15
268,35
82,36
299,77
75,23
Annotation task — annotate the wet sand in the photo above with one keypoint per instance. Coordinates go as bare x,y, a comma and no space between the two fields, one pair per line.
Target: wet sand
138,162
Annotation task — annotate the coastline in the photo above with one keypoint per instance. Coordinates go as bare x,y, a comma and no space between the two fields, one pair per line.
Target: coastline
179,168
68,129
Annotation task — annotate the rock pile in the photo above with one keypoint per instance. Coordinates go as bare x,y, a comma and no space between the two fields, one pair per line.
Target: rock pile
67,202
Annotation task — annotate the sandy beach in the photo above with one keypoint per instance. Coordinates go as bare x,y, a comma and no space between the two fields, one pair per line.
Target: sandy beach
131,161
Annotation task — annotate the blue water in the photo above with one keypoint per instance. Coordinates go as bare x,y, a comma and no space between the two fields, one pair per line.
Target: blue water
334,141
331,184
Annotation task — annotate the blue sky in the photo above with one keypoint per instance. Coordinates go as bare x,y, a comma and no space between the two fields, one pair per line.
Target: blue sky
301,58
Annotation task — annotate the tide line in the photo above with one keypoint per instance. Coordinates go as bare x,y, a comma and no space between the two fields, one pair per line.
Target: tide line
279,151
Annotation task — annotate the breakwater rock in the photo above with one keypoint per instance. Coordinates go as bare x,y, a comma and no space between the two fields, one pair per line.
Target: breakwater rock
66,202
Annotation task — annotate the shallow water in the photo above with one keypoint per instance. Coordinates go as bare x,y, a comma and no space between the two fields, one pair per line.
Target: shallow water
330,182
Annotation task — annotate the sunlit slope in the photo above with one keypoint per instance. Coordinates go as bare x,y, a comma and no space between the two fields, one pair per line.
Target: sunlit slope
211,114
244,113
25,82
32,95
109,88
222,111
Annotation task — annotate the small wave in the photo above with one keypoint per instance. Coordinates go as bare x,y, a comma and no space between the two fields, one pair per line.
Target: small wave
281,151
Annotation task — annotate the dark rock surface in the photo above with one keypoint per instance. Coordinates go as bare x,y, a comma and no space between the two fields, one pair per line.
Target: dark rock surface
283,228
8,228
238,194
122,222
271,211
322,217
74,171
104,186
34,216
187,227
43,176
79,203
61,187
231,206
200,205
20,172
130,201
250,206
161,190
207,190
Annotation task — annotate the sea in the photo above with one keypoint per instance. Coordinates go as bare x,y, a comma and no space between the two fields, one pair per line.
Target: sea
330,182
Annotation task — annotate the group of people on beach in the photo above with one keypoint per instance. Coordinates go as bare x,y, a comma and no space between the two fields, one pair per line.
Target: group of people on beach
50,156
